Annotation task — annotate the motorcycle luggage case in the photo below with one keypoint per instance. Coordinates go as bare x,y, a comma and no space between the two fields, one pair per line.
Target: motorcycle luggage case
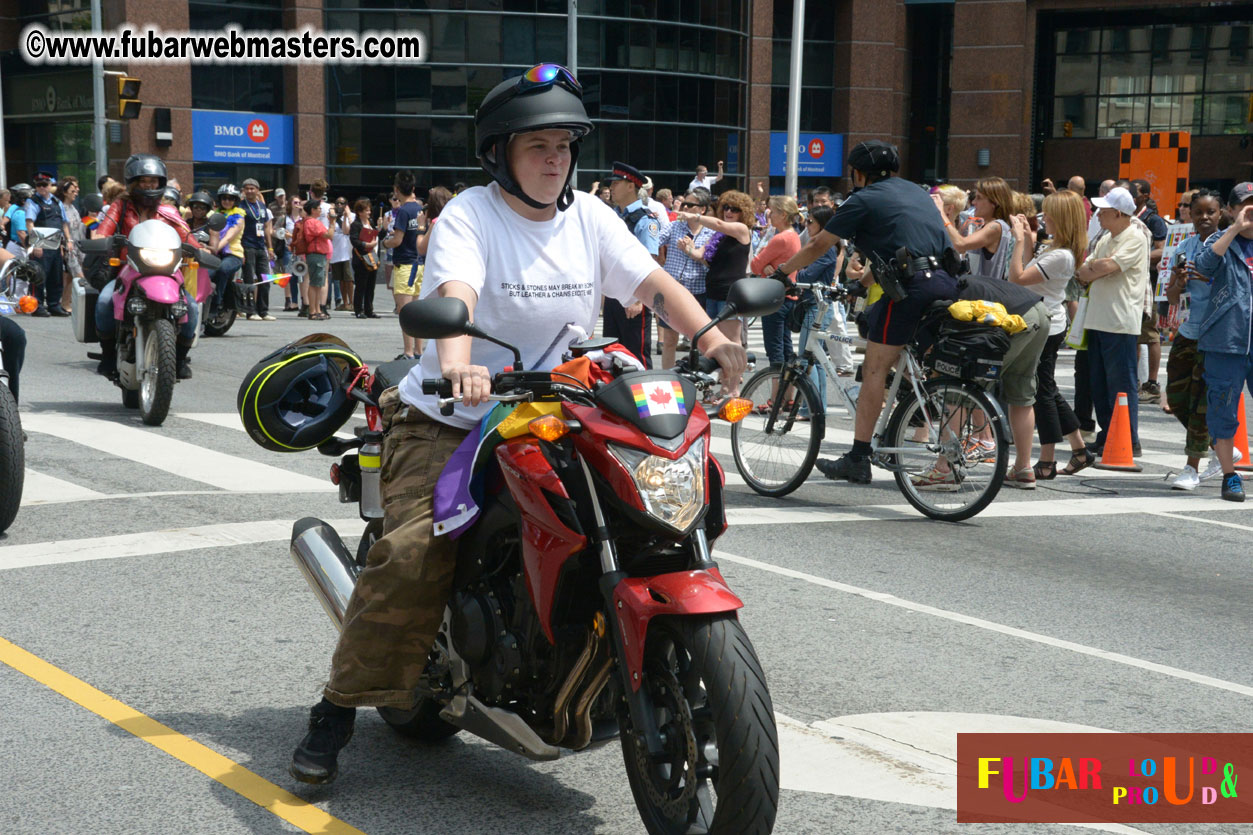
83,311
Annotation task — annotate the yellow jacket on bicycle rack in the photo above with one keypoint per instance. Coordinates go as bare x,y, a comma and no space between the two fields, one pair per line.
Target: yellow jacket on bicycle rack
987,313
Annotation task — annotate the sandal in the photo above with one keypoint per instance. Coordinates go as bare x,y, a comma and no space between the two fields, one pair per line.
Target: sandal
1045,470
1079,460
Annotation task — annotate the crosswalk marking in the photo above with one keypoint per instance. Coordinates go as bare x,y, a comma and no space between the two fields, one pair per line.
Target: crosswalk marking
157,542
230,420
190,461
39,488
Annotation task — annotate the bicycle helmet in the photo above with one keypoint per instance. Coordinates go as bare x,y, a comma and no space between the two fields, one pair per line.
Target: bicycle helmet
546,96
21,192
297,397
144,165
228,190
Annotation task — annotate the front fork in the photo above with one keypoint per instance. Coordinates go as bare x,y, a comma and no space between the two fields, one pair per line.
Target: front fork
630,605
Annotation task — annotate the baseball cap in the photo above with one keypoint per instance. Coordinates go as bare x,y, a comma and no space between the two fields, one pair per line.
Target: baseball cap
1118,198
622,171
250,182
278,192
1240,193
875,157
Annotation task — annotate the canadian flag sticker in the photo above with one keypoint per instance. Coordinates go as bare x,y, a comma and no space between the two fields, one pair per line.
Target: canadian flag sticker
662,397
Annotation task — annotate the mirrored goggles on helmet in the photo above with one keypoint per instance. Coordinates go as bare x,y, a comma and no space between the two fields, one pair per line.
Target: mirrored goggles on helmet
539,77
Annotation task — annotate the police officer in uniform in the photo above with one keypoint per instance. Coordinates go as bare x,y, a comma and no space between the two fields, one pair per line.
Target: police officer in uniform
883,214
632,325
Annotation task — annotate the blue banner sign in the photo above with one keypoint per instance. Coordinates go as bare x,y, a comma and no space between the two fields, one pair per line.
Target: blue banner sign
248,138
821,154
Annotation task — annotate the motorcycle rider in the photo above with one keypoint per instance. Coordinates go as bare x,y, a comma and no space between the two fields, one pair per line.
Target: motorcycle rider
12,343
527,230
883,214
230,247
145,178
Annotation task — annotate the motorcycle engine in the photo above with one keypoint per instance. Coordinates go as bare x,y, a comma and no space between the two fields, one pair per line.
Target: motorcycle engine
485,633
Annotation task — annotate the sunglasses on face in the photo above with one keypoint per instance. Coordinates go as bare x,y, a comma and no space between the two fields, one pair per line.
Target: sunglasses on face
689,205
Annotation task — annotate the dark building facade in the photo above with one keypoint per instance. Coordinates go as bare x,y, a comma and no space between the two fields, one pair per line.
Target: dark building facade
1023,89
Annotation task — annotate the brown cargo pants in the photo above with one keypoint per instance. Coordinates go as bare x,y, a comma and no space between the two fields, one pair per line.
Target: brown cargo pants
399,599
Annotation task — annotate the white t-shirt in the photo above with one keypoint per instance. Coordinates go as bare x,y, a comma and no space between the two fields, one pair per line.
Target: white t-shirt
706,182
1057,266
341,246
539,284
1116,301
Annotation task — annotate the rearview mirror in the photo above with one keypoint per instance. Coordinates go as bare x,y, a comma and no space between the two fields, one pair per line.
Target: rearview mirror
217,221
756,296
435,318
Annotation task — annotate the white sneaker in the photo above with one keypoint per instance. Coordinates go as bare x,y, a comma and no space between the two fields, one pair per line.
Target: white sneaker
1215,469
1186,480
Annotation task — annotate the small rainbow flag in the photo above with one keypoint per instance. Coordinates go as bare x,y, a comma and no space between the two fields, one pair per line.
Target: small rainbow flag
91,222
281,279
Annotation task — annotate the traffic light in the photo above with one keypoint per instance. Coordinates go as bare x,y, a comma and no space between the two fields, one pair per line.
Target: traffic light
1068,127
128,103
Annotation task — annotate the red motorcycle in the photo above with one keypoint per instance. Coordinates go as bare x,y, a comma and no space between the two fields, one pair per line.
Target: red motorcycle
586,604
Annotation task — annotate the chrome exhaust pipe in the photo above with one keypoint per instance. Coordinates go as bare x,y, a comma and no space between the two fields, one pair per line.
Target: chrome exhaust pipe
330,570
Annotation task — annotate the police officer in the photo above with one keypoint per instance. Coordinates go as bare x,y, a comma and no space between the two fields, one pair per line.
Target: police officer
883,214
633,324
43,209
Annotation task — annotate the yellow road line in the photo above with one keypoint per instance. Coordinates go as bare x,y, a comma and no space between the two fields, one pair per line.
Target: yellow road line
229,773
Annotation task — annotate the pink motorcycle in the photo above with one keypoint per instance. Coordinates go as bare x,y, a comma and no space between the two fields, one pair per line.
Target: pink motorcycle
149,307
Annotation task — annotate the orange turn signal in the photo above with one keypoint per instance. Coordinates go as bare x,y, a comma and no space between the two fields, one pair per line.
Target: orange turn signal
115,262
548,428
735,409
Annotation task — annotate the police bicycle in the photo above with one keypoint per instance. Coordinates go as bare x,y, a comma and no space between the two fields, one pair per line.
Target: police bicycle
934,418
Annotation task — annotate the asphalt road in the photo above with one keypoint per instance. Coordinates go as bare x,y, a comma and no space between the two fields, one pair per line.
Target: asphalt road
151,566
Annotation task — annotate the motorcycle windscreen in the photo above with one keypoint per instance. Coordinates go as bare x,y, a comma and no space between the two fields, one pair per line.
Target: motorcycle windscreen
658,403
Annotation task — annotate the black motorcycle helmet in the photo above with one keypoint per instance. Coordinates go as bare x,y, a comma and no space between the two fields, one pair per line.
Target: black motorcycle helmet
171,193
201,197
144,165
297,397
546,96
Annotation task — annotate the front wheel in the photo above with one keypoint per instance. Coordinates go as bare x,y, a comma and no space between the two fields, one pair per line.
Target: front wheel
949,453
12,457
776,445
156,387
720,772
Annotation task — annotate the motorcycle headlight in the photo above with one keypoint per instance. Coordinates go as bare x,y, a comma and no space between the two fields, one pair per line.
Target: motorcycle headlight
136,304
673,492
158,258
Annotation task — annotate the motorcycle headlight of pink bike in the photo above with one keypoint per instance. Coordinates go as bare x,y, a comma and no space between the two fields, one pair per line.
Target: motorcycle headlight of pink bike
159,259
154,248
673,492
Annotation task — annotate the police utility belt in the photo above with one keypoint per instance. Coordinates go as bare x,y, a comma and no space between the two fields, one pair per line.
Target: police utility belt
905,267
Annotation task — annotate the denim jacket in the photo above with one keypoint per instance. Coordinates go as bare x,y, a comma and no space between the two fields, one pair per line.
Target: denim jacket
1225,328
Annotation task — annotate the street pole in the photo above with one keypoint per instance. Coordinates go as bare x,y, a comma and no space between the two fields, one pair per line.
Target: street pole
572,59
97,96
4,167
793,96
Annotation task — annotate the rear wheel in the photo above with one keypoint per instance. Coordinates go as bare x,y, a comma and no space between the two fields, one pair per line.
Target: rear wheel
12,457
219,317
948,455
776,445
372,533
720,770
421,723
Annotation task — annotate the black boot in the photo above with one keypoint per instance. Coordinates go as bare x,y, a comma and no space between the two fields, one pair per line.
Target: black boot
108,359
180,355
316,758
855,470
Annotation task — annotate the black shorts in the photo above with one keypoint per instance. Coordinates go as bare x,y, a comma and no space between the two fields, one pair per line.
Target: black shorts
894,323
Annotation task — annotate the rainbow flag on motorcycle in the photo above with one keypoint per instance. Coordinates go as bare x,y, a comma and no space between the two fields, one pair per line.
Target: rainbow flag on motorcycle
459,488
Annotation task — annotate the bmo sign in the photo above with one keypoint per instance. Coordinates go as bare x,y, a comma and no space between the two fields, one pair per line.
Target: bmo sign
818,154
227,136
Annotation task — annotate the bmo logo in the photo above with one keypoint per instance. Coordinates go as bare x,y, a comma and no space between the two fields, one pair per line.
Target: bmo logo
816,148
228,130
258,131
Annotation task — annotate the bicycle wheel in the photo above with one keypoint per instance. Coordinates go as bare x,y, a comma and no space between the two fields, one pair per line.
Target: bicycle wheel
774,448
934,450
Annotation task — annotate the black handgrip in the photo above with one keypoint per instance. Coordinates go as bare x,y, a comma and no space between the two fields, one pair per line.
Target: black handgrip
208,260
439,386
709,365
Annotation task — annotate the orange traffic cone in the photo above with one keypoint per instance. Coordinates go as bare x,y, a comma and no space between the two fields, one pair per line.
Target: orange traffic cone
1118,454
1241,440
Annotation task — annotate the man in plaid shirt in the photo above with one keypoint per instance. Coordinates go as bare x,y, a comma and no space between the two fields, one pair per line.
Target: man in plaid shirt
683,247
